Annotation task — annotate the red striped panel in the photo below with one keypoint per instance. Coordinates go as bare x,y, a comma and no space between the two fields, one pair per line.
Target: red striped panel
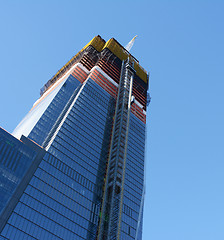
104,82
138,112
79,74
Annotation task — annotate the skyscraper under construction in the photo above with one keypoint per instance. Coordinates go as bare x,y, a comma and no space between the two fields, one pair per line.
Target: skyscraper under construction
77,170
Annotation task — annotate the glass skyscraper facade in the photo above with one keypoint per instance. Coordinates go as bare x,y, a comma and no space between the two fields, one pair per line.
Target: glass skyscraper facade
74,167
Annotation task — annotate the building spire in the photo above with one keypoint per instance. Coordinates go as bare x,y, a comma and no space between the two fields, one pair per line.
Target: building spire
130,44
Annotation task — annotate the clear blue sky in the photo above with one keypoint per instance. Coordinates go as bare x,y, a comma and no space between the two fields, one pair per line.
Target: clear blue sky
181,43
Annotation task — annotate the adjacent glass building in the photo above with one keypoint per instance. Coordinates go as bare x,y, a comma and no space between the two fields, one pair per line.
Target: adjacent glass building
74,167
